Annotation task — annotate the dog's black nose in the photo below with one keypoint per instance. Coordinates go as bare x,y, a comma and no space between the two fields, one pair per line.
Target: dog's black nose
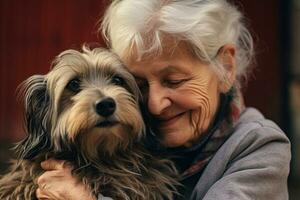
106,107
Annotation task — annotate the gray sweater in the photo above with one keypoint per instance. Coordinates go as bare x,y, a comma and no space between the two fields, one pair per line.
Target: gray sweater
253,163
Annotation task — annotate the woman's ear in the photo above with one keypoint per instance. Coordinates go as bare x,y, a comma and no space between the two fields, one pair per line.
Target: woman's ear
226,57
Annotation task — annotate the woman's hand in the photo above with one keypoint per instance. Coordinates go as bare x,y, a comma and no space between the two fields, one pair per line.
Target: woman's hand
57,183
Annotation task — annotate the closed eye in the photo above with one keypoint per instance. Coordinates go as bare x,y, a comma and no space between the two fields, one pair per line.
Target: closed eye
174,83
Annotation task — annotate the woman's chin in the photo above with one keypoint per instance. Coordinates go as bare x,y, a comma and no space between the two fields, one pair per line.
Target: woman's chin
174,139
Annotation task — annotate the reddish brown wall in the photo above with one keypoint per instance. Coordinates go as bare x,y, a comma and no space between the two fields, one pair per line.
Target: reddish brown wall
32,32
264,88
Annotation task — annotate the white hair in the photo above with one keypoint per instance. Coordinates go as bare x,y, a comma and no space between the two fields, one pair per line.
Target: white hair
205,25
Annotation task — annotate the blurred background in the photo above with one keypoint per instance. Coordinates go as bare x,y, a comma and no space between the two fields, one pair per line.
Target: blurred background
33,32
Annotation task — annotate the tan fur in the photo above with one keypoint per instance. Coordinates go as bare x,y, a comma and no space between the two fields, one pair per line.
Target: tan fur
63,124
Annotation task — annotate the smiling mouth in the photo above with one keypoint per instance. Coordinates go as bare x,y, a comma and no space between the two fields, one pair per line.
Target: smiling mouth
106,123
170,121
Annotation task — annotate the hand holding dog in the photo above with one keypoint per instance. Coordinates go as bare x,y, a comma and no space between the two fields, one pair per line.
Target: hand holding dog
59,184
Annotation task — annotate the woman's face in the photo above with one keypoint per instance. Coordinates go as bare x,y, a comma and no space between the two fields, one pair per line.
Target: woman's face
181,92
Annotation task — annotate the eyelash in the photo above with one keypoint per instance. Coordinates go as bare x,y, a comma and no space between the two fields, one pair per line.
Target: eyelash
169,83
174,83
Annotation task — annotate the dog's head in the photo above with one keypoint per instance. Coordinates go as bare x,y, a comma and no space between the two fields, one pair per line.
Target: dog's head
88,100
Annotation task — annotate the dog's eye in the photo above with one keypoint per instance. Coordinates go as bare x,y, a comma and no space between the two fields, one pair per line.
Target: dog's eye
117,80
74,85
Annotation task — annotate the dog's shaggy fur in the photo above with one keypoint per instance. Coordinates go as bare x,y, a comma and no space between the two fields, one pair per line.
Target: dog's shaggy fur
86,111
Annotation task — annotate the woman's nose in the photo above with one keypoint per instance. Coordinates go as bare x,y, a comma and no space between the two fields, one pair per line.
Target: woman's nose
158,99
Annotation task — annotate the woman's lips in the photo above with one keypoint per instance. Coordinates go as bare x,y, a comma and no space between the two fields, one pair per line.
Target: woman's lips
169,121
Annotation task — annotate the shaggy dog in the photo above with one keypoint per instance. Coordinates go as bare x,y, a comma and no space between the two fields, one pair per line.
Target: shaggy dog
86,111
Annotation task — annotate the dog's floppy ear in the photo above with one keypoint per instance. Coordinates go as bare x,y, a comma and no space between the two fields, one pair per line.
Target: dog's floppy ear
36,115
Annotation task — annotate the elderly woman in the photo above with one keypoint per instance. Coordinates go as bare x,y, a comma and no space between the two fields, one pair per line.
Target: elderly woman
189,58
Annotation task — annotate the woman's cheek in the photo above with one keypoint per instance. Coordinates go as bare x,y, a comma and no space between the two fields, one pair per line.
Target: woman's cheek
193,95
196,98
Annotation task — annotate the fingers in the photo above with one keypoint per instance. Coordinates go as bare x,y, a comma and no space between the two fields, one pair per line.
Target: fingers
44,195
41,181
52,164
41,195
58,173
52,176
